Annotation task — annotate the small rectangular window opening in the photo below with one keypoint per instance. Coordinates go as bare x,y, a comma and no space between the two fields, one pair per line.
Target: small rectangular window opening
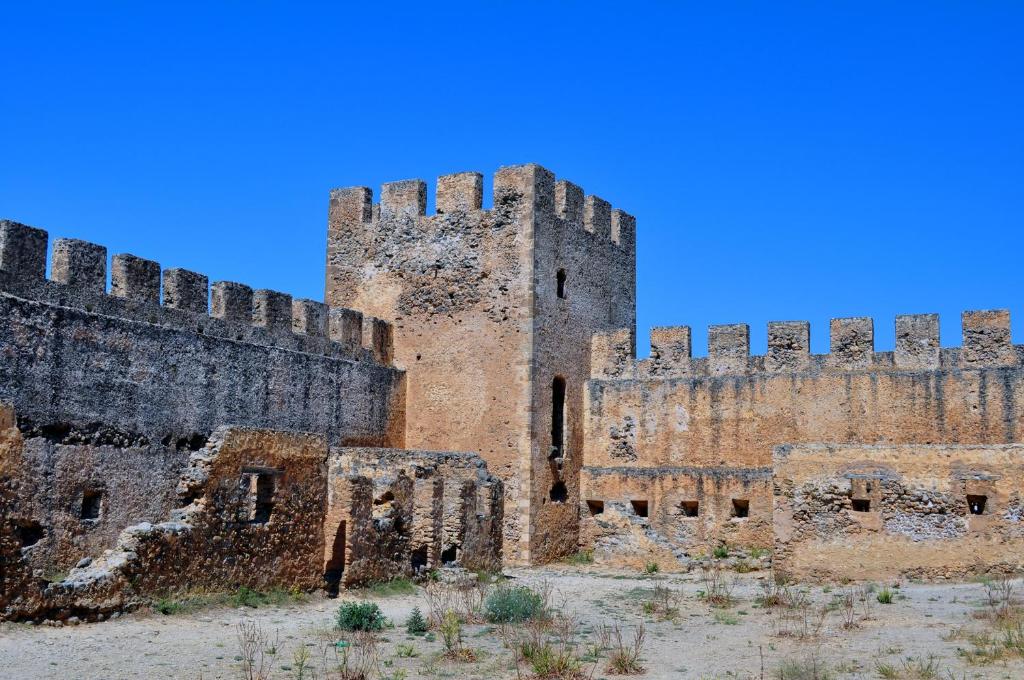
561,283
595,507
740,507
639,507
976,504
92,503
261,502
689,508
861,504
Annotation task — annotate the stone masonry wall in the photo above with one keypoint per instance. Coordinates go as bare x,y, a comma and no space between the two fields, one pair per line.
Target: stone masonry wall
82,366
395,512
730,408
249,512
480,327
914,511
631,517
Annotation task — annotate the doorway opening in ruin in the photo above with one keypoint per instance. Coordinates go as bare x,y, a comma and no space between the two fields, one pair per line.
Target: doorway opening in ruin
740,508
92,504
976,504
335,567
640,508
558,492
557,420
689,508
450,555
29,533
595,507
560,279
418,561
860,504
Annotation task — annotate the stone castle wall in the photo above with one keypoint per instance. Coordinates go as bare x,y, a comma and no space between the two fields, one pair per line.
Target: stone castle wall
912,511
84,366
730,409
480,327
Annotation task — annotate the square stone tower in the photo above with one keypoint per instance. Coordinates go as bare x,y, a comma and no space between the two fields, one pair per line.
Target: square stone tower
493,311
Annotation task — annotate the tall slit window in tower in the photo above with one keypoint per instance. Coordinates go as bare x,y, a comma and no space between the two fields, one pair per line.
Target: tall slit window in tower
560,278
557,419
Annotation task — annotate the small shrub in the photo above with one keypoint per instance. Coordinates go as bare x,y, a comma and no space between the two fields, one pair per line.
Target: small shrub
405,651
581,557
884,596
624,658
392,588
513,604
451,636
361,616
810,668
651,568
726,618
720,552
416,624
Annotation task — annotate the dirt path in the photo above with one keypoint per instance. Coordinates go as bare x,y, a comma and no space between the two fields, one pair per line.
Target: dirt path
698,642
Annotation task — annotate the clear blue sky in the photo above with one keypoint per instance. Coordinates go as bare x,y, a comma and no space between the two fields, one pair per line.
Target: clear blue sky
784,160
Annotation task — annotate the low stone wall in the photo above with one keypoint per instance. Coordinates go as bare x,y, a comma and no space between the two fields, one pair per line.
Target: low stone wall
251,508
394,512
918,511
634,516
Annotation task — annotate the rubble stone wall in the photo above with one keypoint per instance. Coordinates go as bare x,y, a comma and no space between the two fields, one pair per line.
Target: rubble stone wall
394,513
631,517
249,512
916,511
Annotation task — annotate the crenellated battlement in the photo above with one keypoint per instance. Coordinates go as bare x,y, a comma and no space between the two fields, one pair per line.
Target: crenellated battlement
986,344
188,302
462,193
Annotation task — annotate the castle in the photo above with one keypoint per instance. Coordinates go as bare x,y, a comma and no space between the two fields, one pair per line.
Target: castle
468,393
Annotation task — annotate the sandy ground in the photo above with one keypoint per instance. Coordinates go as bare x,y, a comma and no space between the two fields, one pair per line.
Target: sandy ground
699,642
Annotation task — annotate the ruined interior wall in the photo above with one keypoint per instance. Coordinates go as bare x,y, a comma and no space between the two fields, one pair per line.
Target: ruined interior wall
228,531
407,510
614,500
82,495
594,247
456,286
914,520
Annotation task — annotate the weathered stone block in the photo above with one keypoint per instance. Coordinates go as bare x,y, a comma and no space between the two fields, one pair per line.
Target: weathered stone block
407,198
852,342
186,290
613,354
272,310
346,327
671,350
987,339
569,202
134,278
309,318
462,191
377,337
22,250
728,348
597,216
623,228
917,341
789,346
231,301
80,264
